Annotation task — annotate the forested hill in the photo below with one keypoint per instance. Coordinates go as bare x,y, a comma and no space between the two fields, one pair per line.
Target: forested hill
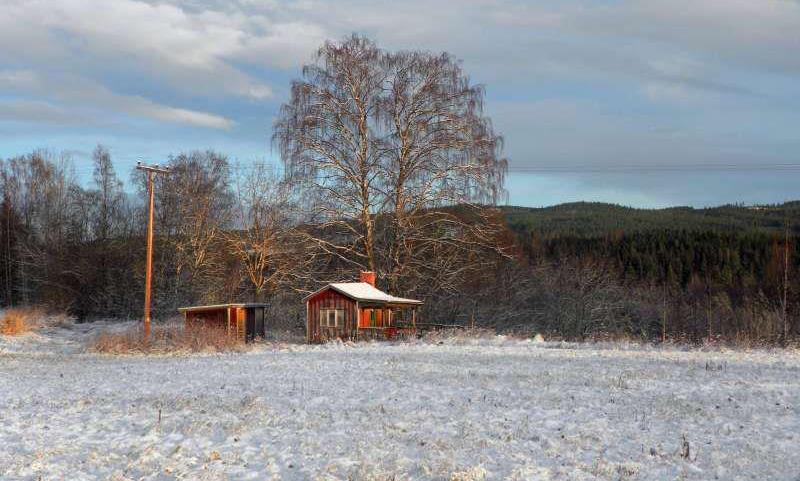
735,248
594,219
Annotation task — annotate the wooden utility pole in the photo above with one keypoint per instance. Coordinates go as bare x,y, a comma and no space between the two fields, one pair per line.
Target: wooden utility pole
148,276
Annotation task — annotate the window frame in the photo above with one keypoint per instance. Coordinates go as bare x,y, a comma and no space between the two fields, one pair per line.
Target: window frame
325,317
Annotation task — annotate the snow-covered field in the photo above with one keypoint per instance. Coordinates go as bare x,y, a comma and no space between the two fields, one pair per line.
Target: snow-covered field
462,410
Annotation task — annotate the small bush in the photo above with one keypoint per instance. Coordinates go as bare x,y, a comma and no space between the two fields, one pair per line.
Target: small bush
20,320
166,339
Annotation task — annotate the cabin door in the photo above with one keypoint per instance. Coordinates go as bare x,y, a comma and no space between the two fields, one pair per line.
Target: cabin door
255,323
258,313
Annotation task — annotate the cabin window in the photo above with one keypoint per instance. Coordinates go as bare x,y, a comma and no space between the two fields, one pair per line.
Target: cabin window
331,317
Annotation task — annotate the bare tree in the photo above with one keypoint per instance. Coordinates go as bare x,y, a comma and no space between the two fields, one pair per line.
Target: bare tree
200,181
326,135
581,299
262,239
193,209
108,219
107,195
439,150
384,146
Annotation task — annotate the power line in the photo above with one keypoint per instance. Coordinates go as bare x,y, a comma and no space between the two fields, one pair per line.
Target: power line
654,168
579,169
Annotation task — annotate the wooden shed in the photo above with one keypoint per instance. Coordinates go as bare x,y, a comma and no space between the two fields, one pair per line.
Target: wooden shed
358,310
245,320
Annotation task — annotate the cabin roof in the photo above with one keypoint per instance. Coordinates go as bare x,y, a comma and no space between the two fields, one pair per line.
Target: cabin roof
364,292
221,306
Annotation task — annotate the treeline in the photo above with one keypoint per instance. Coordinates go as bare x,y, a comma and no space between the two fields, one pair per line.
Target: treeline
222,234
227,233
698,274
62,245
81,250
597,219
741,262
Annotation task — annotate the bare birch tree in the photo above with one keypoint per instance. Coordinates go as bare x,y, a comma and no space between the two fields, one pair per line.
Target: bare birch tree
326,135
383,146
439,150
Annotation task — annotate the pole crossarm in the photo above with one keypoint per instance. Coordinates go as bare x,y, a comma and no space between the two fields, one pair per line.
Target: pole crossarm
153,168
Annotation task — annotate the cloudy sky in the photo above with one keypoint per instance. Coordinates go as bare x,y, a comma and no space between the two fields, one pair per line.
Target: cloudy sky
644,103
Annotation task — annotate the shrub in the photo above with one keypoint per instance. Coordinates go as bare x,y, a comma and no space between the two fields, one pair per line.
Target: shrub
168,338
18,321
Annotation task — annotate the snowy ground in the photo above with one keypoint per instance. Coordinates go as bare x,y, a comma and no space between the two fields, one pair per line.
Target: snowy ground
462,410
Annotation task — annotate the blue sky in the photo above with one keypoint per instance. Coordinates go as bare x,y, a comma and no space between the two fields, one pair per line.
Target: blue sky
579,89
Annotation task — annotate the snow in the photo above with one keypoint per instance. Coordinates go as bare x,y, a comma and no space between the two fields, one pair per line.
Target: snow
362,291
452,410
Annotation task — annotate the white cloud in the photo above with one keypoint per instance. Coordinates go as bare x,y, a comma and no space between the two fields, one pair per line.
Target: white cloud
21,111
193,52
83,95
286,45
211,48
172,114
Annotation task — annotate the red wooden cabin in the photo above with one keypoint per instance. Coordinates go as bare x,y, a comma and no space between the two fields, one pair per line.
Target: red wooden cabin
358,310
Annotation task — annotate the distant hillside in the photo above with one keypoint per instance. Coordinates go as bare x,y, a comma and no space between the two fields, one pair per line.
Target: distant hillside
594,219
738,248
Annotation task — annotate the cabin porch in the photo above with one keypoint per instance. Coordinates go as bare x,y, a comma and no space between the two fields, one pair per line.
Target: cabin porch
386,321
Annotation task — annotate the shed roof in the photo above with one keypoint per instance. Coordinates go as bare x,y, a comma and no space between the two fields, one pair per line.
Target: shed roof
221,306
364,292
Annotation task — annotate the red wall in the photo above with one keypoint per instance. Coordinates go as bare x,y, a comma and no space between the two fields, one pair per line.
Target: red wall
212,317
219,318
331,299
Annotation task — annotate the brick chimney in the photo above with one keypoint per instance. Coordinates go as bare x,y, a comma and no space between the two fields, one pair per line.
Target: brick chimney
368,277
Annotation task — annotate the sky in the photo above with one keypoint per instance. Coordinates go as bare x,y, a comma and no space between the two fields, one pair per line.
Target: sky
643,103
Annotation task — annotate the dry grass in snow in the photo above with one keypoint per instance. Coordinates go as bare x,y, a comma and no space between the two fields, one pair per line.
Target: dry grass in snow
16,322
168,338
20,320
